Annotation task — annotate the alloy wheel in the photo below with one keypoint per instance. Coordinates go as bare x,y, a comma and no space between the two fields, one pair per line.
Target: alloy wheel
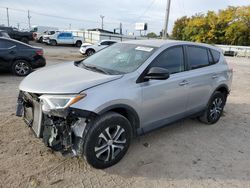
22,68
216,108
110,143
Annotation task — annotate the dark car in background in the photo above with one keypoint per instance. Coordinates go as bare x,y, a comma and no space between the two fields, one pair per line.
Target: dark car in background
20,58
4,34
14,33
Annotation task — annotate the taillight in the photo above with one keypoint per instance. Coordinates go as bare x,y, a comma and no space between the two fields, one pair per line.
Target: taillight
39,52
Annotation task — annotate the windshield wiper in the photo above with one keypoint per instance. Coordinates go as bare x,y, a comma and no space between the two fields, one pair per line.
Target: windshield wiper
97,69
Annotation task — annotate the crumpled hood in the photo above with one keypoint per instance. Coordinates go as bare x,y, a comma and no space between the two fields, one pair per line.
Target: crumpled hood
65,78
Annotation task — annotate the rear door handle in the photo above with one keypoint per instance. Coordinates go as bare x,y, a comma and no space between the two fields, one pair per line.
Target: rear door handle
215,76
183,83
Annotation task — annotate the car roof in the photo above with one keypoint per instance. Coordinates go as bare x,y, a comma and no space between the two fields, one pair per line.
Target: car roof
16,41
160,42
109,40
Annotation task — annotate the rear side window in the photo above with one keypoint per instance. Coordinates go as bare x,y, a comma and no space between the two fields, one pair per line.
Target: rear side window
197,57
6,44
216,55
171,59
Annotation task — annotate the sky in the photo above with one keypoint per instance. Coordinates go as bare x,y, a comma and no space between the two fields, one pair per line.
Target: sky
85,14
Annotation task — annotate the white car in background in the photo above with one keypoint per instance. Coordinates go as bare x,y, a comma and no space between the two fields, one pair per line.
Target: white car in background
39,37
39,31
63,37
91,49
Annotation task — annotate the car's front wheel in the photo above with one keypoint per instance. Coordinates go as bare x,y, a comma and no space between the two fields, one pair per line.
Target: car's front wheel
90,52
214,108
107,140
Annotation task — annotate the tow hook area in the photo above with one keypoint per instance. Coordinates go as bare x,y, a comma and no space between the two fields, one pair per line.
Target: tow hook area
65,134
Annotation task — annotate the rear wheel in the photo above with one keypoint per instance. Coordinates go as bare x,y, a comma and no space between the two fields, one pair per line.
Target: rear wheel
108,140
53,42
21,68
78,43
25,40
40,39
90,52
214,109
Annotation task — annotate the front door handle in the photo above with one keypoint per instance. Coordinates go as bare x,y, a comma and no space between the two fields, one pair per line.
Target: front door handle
183,83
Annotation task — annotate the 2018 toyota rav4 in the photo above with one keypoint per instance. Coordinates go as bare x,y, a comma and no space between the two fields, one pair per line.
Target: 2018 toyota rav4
94,107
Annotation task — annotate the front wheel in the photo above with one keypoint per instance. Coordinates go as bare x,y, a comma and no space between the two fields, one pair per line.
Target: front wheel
214,109
90,52
107,140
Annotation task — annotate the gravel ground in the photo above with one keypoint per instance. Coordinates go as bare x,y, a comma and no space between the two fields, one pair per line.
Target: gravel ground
185,154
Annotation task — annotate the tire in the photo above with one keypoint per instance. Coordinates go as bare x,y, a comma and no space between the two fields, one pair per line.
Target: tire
40,39
25,40
78,43
53,42
21,68
90,52
107,140
214,108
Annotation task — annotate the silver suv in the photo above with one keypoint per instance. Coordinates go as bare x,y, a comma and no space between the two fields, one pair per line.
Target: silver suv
94,107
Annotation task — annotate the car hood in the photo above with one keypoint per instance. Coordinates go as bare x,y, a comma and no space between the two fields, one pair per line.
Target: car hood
65,78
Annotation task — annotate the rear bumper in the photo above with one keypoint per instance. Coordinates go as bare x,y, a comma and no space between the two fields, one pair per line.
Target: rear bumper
39,62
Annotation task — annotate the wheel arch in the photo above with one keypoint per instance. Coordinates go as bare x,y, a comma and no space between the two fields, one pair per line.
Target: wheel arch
126,111
223,88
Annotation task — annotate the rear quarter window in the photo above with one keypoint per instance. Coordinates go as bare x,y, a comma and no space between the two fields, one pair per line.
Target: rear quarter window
216,55
197,57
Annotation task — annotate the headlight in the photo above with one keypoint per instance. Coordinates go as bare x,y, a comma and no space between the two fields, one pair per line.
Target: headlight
59,102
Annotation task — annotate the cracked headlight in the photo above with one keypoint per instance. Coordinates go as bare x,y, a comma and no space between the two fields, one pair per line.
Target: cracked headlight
59,102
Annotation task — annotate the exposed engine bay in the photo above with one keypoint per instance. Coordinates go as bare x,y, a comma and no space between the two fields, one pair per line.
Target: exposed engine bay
61,130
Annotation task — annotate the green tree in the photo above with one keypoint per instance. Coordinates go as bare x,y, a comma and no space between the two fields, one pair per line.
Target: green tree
228,26
151,35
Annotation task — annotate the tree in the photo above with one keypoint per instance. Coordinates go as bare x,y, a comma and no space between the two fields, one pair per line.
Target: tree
228,26
151,35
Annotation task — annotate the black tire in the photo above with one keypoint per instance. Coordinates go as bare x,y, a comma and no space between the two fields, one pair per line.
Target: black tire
21,67
25,40
78,43
53,42
214,108
102,153
90,52
40,39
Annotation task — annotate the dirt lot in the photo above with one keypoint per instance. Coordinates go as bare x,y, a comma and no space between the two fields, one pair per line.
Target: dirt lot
186,154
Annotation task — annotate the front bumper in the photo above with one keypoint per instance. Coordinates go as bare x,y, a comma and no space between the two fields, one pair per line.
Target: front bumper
82,51
65,134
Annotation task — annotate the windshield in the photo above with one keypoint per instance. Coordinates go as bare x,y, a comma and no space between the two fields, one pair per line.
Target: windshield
119,58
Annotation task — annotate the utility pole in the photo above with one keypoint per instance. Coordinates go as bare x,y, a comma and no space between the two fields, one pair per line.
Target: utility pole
120,28
29,19
8,18
18,26
101,16
165,29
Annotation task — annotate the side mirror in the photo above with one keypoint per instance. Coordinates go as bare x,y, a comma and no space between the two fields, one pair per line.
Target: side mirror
157,73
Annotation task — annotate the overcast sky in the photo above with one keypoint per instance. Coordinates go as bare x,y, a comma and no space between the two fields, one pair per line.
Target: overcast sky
87,12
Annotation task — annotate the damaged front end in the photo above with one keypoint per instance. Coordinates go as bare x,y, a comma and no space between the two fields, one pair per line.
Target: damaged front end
51,118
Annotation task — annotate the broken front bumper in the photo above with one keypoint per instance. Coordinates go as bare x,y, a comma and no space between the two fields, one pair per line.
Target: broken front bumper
62,130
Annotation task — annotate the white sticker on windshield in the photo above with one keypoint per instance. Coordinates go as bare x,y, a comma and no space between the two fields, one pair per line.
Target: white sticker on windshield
145,49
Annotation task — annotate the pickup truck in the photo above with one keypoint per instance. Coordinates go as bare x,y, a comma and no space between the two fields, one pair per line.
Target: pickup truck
63,38
14,33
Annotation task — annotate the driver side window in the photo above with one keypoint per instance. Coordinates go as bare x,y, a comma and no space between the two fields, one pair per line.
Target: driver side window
171,59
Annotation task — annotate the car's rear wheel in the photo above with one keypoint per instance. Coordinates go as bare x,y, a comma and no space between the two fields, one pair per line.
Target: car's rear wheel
90,52
214,108
40,39
25,40
21,68
53,42
78,43
107,140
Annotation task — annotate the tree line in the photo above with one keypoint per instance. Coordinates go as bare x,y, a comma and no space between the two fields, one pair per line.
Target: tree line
230,26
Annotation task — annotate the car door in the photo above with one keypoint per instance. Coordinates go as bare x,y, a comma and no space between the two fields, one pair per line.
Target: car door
200,78
65,38
165,100
7,53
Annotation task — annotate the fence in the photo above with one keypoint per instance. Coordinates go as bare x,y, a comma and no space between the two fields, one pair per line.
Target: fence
242,51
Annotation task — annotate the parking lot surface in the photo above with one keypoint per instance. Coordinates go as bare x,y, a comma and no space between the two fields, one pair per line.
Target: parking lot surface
185,154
